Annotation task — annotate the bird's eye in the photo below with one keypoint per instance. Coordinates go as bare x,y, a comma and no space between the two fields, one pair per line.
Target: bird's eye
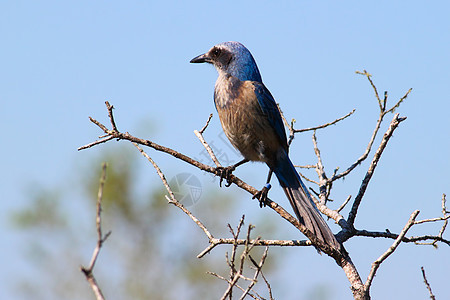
216,52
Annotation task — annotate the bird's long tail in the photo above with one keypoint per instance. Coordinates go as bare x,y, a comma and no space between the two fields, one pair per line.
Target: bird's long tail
302,203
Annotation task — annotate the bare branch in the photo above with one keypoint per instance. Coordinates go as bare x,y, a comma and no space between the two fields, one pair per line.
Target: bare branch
385,255
325,185
434,220
344,203
392,109
293,131
236,274
258,267
176,154
206,125
419,240
320,169
394,124
171,198
383,112
353,277
230,241
445,217
325,125
432,297
235,246
290,126
102,127
364,155
365,73
96,143
268,285
435,238
199,134
306,166
307,179
88,271
325,188
445,213
237,268
236,285
111,116
412,239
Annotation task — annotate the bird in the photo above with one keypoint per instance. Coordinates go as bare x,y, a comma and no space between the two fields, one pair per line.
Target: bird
253,124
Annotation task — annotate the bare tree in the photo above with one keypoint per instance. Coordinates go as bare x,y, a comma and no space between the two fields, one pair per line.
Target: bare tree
237,279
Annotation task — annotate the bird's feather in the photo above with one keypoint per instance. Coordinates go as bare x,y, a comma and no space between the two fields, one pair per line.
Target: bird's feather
301,201
271,112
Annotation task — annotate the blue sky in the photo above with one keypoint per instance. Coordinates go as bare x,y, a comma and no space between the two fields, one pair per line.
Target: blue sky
60,60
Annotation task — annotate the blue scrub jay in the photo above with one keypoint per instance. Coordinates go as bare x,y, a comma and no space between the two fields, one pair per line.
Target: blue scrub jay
252,122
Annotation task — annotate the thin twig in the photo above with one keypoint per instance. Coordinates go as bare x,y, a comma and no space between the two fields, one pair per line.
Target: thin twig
230,241
433,220
392,248
320,169
236,274
269,288
445,217
289,126
432,297
365,73
344,203
258,267
235,245
228,281
392,109
199,135
206,125
364,155
325,125
306,166
111,116
88,272
383,112
96,143
307,179
390,235
394,124
324,189
171,198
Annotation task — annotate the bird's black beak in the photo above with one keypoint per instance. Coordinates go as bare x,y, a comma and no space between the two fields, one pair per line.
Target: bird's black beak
202,58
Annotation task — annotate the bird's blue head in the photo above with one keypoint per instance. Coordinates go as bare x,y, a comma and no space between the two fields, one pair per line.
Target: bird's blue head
231,58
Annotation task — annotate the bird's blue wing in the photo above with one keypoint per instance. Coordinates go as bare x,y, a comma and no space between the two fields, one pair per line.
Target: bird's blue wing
270,109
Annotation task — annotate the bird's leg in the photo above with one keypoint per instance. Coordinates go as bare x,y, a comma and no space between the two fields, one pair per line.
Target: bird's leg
262,194
225,172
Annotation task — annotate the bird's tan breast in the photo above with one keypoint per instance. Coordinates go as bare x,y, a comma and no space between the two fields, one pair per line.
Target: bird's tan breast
243,121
